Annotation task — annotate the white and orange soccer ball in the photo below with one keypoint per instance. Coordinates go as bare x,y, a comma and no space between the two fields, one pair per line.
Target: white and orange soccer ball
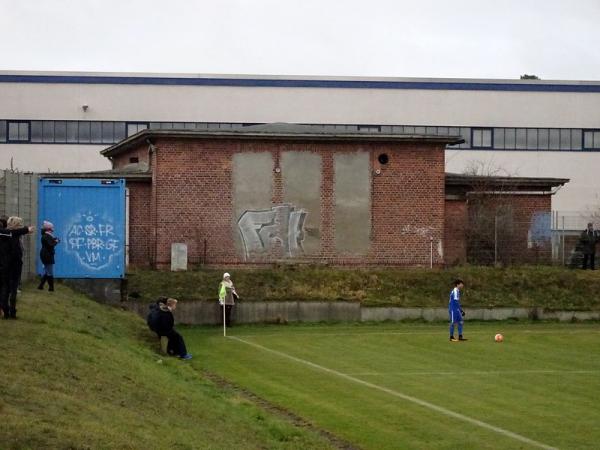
498,338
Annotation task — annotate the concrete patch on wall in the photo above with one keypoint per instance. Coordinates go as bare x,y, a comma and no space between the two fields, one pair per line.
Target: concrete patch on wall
301,175
252,188
265,229
352,190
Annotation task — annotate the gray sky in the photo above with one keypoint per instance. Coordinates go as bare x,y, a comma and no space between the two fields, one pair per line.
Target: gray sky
420,38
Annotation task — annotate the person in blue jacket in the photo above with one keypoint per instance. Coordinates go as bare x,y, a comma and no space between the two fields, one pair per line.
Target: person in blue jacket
455,311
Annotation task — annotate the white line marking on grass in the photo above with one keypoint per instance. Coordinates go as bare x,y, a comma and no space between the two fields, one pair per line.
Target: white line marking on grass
480,372
423,403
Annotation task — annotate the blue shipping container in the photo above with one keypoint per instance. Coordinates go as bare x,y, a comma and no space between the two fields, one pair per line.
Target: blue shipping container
89,219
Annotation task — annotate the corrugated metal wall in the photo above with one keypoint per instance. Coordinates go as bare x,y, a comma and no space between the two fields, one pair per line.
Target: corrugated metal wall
18,197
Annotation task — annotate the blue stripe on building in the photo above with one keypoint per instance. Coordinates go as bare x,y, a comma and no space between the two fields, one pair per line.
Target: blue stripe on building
282,83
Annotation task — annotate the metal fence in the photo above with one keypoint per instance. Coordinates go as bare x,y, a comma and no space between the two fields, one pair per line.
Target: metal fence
18,197
567,227
547,238
506,242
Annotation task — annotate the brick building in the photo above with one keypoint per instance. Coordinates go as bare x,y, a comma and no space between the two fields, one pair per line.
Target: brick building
286,192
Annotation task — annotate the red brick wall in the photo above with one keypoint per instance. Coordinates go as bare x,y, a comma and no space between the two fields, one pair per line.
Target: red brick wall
408,205
456,222
191,195
140,223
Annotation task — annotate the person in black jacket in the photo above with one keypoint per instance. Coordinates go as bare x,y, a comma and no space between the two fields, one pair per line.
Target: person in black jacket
588,240
161,321
49,241
8,265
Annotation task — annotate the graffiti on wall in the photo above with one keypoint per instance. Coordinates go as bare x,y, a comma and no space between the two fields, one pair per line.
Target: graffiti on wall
540,231
282,225
93,240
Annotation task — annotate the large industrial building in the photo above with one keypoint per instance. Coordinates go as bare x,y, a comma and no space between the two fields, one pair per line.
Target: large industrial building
526,128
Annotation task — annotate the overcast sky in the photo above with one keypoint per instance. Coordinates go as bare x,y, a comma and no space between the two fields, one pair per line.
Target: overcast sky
419,38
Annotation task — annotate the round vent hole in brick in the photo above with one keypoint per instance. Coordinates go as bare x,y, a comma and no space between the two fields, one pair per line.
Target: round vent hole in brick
383,158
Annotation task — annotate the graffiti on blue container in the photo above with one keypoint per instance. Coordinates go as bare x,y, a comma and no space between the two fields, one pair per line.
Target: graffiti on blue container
93,240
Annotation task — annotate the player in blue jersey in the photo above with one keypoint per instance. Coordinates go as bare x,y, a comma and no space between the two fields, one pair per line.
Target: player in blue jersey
455,311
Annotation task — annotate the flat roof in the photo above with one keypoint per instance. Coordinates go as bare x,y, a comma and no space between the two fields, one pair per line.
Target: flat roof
278,131
477,182
299,81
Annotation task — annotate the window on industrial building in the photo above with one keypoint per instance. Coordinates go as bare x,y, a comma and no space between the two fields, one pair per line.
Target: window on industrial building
36,131
72,132
465,133
96,132
136,127
481,137
120,131
591,140
48,131
499,138
108,132
554,139
543,136
565,139
521,139
532,138
576,139
18,131
84,132
60,131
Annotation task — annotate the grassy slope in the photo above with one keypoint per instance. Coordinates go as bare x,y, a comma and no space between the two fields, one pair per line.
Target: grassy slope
542,382
551,287
76,374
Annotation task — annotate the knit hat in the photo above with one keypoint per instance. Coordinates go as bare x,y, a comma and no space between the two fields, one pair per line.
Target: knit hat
226,275
47,225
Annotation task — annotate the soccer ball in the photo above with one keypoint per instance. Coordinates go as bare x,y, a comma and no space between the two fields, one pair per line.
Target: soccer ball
498,338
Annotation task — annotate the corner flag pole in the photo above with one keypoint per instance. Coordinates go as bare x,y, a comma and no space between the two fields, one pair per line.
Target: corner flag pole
224,327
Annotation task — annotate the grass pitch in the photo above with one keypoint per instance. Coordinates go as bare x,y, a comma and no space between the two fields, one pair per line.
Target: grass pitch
397,386
79,375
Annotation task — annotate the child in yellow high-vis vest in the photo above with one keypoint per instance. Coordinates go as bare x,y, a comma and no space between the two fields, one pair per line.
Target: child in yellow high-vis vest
227,297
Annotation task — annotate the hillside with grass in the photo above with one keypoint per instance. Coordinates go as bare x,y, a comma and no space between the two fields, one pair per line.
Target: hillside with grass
79,375
528,286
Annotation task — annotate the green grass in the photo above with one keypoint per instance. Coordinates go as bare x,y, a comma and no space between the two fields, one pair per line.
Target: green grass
79,375
543,286
541,383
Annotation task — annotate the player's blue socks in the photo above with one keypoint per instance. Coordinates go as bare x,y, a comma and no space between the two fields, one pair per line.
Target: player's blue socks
452,329
460,325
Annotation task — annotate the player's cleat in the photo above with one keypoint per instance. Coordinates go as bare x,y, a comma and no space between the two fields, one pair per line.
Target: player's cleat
186,356
460,338
453,339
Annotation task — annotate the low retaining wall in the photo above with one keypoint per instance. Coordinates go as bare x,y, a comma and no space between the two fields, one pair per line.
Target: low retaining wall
204,313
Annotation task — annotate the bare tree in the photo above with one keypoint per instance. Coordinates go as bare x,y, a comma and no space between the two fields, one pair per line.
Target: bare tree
490,215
